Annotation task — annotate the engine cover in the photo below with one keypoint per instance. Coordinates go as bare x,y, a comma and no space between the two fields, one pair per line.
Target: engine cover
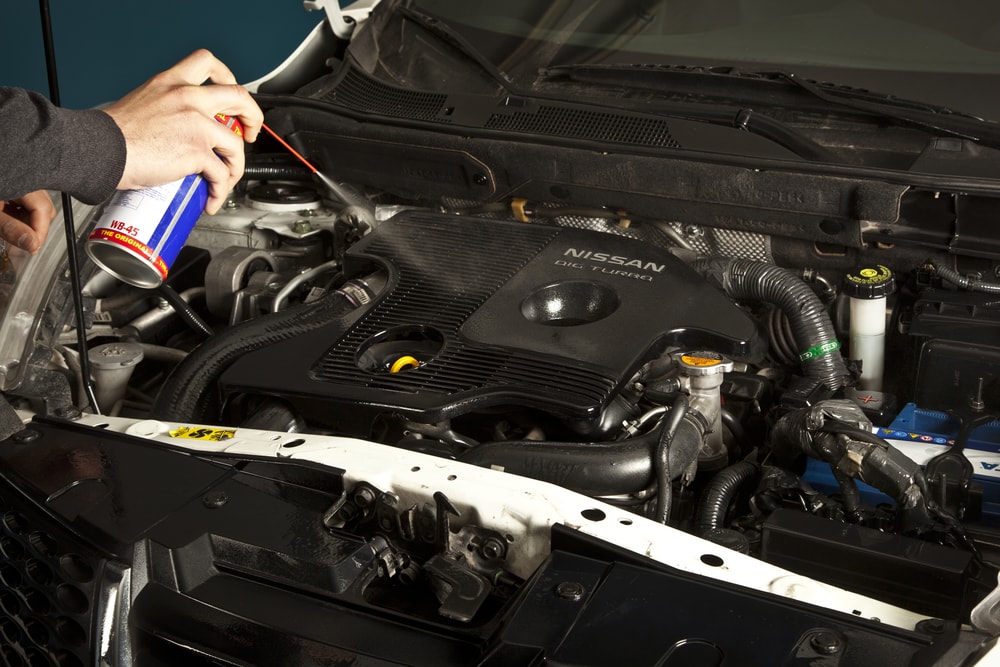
481,313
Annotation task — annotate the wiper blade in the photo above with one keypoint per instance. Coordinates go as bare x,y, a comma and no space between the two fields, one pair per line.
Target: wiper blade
920,114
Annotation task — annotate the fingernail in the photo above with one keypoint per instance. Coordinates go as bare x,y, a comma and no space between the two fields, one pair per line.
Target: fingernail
26,242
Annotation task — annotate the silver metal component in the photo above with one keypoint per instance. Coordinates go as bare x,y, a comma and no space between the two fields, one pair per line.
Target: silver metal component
292,207
229,272
112,365
985,616
231,227
693,231
303,277
297,228
152,319
357,204
702,373
114,648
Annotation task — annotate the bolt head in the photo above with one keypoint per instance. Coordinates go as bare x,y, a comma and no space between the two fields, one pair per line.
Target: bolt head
492,548
825,642
569,590
215,500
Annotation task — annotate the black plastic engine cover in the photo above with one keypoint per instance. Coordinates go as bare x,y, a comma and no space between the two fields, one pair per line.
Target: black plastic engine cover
498,313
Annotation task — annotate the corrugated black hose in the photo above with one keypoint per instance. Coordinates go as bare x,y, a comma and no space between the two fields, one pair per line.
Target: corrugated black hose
818,347
720,493
188,394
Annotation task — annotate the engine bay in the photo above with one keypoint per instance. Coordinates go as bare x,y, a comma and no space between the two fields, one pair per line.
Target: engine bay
794,364
702,391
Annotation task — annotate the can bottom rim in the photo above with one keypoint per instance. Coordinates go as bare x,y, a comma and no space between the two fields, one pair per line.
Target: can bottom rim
124,264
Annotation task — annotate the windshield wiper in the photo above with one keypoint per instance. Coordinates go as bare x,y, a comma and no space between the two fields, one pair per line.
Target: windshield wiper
741,118
923,115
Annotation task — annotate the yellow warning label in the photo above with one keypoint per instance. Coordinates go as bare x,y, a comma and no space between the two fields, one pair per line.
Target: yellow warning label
201,433
700,361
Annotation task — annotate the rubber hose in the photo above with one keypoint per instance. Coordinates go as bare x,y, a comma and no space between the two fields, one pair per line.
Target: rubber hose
720,493
730,421
955,278
274,415
187,394
664,489
811,324
184,310
594,469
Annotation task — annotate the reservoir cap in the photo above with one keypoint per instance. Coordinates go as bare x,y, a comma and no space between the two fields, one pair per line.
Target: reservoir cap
870,282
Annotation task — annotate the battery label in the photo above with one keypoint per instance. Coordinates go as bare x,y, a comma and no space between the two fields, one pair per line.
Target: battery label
985,464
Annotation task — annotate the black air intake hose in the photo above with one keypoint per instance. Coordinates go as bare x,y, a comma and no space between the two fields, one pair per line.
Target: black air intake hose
188,394
819,349
720,492
594,469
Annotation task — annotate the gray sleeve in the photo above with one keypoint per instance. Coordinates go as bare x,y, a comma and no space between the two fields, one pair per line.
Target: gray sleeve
44,147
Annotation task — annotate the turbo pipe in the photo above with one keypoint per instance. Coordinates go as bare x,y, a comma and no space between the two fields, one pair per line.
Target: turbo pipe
594,469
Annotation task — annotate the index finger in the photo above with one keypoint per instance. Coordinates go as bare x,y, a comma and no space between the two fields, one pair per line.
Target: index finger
231,101
199,67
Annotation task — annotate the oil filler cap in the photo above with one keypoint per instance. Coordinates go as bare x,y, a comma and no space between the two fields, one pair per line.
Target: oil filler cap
870,282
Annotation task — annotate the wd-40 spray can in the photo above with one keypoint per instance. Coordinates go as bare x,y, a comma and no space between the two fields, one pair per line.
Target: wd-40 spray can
141,231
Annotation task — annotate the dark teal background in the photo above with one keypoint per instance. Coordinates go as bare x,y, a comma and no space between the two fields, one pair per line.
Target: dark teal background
104,48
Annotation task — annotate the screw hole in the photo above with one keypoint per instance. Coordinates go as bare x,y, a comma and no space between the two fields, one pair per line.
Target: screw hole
712,560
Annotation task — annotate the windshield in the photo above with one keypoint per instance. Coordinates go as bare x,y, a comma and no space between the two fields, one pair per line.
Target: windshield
867,34
909,49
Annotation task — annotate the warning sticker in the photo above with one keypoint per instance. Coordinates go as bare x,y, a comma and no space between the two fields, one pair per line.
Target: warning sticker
202,433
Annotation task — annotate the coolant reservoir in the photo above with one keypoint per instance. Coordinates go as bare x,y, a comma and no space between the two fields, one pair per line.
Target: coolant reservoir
868,288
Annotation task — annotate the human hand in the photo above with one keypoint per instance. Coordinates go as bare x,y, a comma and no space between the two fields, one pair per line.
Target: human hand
24,222
170,130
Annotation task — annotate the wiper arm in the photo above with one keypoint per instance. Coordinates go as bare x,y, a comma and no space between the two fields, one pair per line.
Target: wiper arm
926,116
743,118
939,119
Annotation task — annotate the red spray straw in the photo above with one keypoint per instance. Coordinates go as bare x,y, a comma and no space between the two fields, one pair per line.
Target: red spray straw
290,149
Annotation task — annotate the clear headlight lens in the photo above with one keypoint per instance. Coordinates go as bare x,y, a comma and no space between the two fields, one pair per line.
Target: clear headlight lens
26,282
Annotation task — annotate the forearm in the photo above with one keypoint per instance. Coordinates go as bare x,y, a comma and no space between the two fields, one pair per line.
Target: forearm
47,147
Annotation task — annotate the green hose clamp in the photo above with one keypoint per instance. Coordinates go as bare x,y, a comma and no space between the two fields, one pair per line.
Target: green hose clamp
817,351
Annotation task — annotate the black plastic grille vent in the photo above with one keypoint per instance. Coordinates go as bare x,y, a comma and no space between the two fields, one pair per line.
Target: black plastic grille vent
586,124
363,93
46,591
443,288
